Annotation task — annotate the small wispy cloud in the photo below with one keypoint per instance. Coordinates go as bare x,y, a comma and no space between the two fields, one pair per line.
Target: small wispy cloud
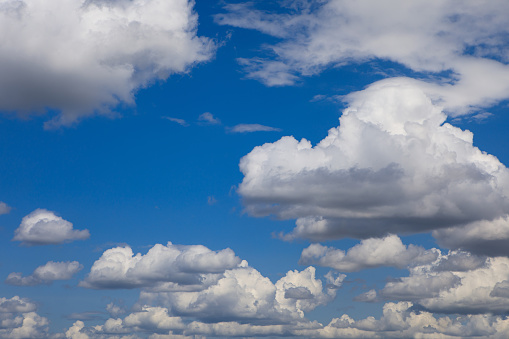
211,200
181,122
248,128
209,118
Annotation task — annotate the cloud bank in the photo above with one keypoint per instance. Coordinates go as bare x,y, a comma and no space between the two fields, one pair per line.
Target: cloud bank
82,58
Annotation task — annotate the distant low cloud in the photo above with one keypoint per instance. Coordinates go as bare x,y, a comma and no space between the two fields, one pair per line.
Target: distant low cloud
43,227
370,253
4,208
45,274
83,58
208,118
247,128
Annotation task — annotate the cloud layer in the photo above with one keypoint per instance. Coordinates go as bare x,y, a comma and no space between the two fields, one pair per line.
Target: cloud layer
43,227
82,58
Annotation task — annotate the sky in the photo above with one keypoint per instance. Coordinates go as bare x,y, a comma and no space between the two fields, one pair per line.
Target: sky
224,168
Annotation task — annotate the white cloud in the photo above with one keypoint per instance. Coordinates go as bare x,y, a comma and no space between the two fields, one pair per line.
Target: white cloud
170,267
484,236
18,319
45,274
209,119
4,208
375,252
85,57
244,295
16,305
391,166
401,320
43,227
248,128
467,41
456,283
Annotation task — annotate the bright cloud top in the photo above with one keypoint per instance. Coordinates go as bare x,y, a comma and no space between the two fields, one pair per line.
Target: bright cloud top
466,38
46,273
43,227
85,57
391,166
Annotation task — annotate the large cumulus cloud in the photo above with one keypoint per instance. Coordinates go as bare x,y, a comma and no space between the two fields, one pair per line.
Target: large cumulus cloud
85,57
393,165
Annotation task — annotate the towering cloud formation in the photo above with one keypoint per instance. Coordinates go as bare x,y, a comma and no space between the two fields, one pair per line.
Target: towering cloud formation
82,58
393,165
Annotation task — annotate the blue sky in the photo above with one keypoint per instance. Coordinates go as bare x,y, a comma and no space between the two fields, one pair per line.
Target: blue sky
315,169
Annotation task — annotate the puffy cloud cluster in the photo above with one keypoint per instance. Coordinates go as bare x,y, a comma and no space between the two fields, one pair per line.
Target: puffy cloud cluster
401,320
18,319
43,227
457,282
393,165
463,43
46,273
85,57
167,268
243,294
370,253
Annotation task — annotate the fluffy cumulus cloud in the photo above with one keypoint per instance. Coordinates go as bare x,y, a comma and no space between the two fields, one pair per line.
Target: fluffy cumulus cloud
401,320
455,283
46,274
393,165
18,319
82,58
43,227
170,267
466,40
244,295
374,252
